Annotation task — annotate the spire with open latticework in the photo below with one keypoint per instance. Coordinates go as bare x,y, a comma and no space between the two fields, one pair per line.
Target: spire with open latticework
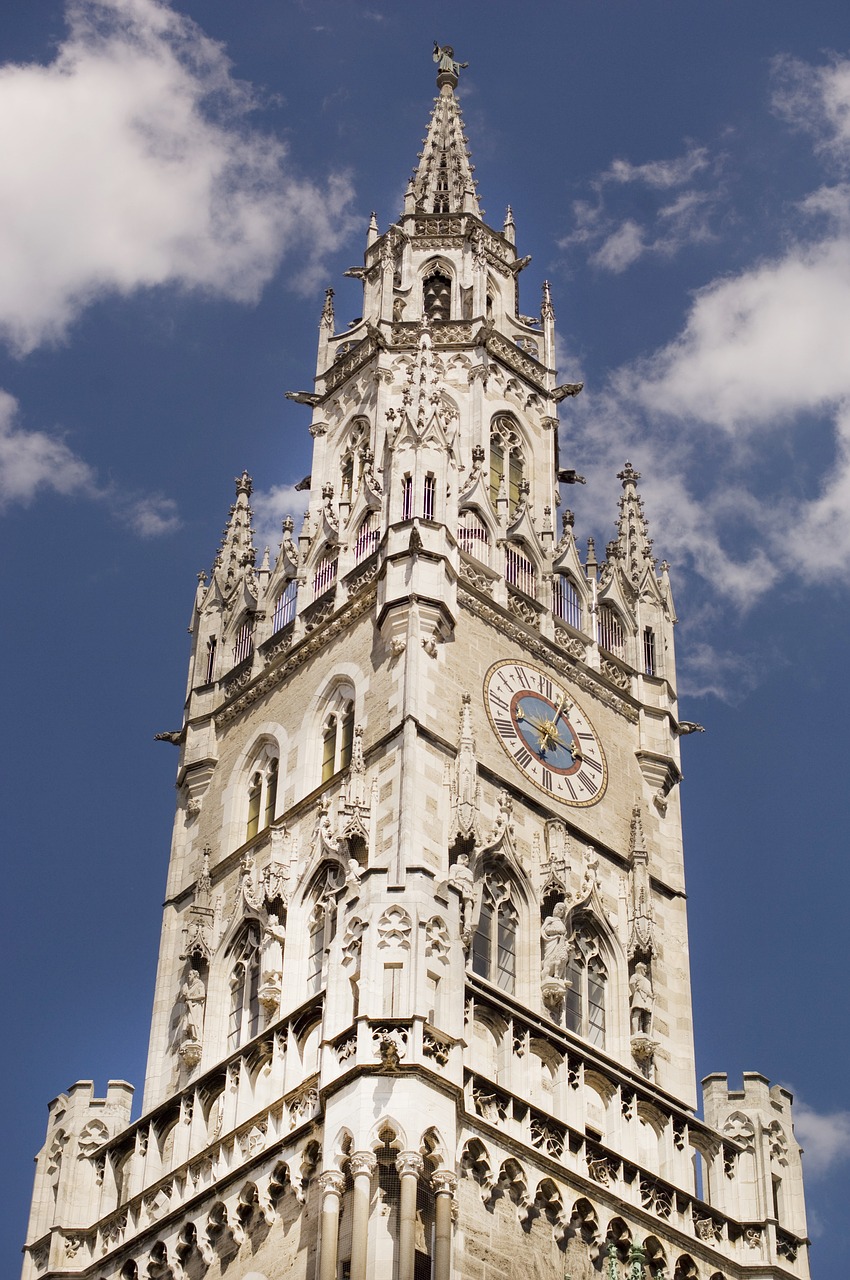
634,546
443,182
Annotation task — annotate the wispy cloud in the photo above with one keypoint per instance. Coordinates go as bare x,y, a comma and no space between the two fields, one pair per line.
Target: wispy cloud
614,239
130,162
38,462
824,1137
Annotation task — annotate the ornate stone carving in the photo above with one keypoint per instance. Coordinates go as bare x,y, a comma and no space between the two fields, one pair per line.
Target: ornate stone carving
641,1002
410,1163
461,878
556,952
437,1048
362,1162
394,928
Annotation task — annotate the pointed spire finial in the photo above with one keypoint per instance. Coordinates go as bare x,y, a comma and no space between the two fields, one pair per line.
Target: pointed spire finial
442,180
633,546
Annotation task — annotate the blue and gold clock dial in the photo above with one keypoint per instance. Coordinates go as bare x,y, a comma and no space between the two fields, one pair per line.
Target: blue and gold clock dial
545,732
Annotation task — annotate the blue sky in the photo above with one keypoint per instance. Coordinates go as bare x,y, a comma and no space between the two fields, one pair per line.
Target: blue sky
179,186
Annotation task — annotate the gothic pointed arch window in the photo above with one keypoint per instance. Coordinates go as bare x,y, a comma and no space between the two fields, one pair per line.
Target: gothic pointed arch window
437,293
585,1006
473,535
337,732
368,536
261,792
566,601
244,957
243,645
494,943
610,632
507,462
284,609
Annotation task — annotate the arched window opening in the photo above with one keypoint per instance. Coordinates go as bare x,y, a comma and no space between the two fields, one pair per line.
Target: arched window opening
566,601
473,535
429,496
507,464
650,663
284,609
244,645
610,630
338,732
494,946
212,646
520,572
368,536
262,793
587,976
244,988
437,296
389,1182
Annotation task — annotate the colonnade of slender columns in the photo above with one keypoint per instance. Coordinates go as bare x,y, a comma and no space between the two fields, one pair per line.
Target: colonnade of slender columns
362,1166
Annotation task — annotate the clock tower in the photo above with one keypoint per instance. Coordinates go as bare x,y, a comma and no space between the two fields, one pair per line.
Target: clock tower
422,1007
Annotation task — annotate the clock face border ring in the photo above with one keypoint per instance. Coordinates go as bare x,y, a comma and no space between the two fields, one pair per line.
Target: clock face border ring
527,679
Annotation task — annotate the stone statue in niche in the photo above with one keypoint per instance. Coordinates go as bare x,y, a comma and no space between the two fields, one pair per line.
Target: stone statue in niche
460,877
556,953
271,963
642,1001
193,994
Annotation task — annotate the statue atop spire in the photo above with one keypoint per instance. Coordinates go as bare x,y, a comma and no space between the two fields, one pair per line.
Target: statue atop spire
447,67
442,181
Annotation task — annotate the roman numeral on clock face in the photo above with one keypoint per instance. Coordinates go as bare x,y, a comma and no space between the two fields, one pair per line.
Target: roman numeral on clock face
523,757
505,727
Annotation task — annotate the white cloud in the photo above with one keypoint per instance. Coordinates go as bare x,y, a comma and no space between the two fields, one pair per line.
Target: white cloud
270,507
761,346
620,249
32,462
616,240
128,162
661,174
35,462
825,1139
816,100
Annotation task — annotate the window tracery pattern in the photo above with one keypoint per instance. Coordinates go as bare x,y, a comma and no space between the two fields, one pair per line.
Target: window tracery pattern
585,1000
494,943
610,630
244,1020
507,462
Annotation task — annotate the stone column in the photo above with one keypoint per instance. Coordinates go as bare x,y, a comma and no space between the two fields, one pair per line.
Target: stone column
362,1167
410,1165
332,1184
444,1183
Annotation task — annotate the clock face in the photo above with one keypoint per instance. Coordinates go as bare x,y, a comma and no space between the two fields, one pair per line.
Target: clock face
545,732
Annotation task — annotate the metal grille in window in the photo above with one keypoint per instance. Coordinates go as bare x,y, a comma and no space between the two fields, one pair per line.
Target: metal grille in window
473,535
407,498
610,630
566,601
212,645
428,503
244,646
325,575
520,572
494,940
284,610
244,989
368,536
649,665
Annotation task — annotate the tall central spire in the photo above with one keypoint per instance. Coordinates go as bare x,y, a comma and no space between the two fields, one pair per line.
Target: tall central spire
443,182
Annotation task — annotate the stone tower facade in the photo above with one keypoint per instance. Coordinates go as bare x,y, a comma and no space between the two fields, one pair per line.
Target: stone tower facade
423,1004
